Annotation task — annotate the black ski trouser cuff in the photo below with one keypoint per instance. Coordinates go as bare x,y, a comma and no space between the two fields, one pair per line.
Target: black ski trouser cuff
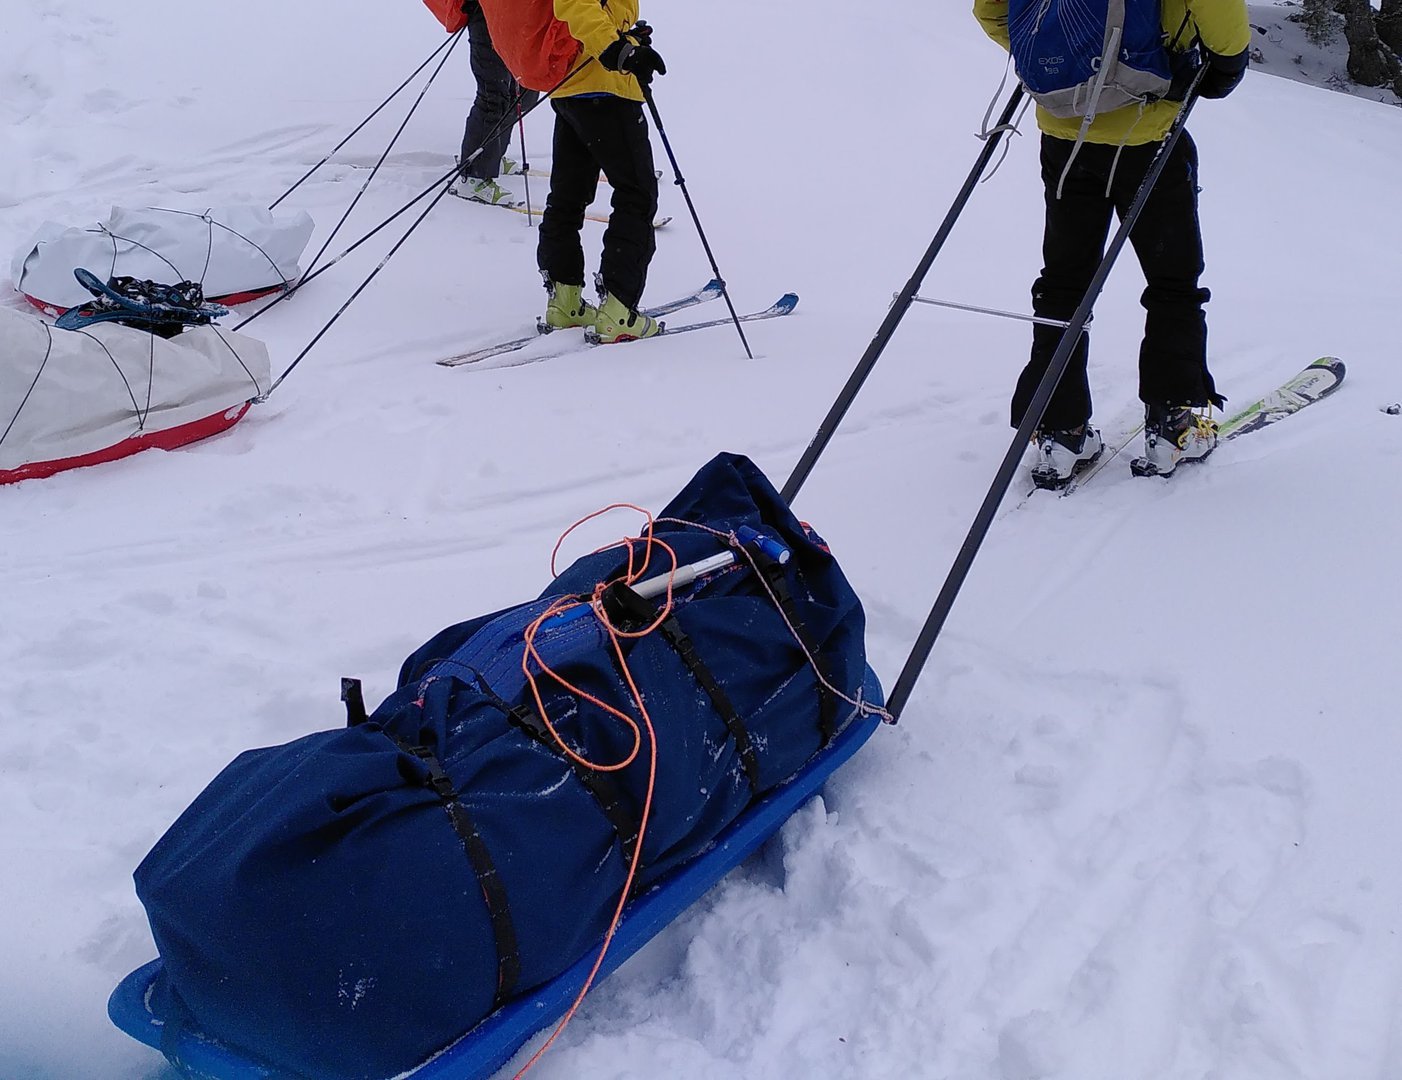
1167,240
593,134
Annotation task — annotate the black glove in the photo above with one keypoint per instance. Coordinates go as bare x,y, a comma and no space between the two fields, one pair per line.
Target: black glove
1182,66
1223,74
633,56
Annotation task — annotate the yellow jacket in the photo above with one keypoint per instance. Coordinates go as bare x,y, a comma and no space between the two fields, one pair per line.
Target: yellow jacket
1222,25
596,25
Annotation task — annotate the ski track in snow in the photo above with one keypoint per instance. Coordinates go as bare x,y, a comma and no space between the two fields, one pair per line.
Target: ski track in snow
1135,822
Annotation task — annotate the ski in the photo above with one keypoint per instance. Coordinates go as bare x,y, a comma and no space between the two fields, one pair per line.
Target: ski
535,212
783,306
519,206
709,291
511,168
1316,381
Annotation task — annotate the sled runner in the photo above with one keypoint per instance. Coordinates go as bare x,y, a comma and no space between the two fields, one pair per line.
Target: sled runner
140,1004
100,390
318,913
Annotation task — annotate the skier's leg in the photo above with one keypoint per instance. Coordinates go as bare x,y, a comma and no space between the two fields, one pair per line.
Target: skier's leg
624,153
1168,241
496,96
1073,244
574,179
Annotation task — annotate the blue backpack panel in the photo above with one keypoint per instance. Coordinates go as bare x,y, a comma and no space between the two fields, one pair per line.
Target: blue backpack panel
1087,57
350,903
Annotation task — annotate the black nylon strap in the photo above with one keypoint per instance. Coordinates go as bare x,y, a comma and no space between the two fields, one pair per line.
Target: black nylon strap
720,701
493,891
622,600
773,573
607,794
354,698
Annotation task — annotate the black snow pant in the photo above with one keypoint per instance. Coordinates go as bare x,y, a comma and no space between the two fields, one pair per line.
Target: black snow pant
1168,241
593,133
495,100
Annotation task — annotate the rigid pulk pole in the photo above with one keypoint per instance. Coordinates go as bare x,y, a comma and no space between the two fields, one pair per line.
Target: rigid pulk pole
681,183
384,155
915,664
899,306
375,113
446,185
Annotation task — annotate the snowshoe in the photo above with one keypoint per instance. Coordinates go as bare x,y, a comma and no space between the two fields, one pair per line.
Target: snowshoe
1173,434
163,310
1062,454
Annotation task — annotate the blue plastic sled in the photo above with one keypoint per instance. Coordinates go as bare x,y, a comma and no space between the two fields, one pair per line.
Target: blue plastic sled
136,1005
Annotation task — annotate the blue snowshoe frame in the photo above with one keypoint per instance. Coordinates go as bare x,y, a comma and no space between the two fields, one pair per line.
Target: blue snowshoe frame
165,310
136,1006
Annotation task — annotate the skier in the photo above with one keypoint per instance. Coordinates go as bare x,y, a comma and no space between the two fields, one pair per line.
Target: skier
498,94
1088,172
599,125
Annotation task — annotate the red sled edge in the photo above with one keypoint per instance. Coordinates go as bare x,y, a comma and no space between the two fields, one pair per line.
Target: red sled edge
168,439
231,300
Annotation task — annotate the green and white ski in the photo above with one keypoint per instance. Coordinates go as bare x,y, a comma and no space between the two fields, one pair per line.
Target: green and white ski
1317,381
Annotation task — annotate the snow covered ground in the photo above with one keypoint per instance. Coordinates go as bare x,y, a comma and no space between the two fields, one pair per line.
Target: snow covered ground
1281,47
1139,819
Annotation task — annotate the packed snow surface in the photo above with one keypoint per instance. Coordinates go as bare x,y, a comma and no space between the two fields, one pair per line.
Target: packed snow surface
1139,818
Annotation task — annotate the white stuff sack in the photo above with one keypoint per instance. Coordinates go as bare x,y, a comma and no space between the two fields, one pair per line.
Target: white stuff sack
231,251
75,397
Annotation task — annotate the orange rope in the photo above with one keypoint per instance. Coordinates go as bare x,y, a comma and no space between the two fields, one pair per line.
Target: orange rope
616,637
634,572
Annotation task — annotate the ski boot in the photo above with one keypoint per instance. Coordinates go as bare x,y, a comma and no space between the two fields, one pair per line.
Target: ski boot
1174,433
483,191
618,322
1062,454
566,307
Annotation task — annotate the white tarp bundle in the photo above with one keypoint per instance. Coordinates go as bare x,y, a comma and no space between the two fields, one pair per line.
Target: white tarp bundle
80,397
231,251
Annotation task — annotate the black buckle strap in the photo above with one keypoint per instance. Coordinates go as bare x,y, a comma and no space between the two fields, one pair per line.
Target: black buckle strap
354,697
773,572
622,601
488,879
720,701
607,794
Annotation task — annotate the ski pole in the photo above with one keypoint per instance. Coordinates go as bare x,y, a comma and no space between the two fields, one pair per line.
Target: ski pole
525,164
899,306
681,183
356,131
447,185
385,153
307,279
920,653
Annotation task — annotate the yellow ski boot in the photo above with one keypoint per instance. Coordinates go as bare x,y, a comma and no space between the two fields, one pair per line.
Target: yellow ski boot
617,322
567,307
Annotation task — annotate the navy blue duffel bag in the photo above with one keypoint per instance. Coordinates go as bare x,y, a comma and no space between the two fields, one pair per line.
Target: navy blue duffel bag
353,901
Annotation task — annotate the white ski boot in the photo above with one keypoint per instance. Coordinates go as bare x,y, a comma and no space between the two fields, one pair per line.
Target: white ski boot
483,191
1173,434
1062,454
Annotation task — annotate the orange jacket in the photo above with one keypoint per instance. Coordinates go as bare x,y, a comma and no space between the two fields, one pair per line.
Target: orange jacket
542,41
449,13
